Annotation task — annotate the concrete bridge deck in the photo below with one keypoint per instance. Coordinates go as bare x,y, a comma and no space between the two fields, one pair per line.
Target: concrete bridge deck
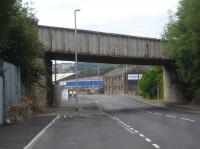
95,46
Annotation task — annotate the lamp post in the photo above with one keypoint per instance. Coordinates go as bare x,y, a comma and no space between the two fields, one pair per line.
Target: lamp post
75,39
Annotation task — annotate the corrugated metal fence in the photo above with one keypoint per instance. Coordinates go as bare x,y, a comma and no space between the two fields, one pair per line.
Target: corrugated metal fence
10,86
1,93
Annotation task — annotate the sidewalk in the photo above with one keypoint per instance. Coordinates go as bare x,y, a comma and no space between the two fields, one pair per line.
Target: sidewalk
181,107
18,135
86,106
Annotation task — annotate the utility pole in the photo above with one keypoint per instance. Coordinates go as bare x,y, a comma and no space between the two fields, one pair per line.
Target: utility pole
55,72
76,59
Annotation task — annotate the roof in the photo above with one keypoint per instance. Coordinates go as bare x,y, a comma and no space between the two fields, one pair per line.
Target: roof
88,78
61,76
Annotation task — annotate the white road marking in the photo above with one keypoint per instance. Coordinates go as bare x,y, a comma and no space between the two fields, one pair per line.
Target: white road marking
40,134
130,130
186,119
148,140
156,146
158,114
149,112
170,116
141,135
136,131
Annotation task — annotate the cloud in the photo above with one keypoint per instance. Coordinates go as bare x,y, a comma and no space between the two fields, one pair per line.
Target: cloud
135,17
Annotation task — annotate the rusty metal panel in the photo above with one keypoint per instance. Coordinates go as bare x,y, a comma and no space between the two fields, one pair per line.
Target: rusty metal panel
59,44
103,45
66,40
71,42
93,44
129,47
134,47
139,47
118,50
115,46
83,43
124,46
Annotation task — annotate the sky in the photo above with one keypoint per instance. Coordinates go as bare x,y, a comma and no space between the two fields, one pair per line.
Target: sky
145,18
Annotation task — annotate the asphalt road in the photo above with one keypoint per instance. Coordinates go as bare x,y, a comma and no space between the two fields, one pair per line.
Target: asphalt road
125,124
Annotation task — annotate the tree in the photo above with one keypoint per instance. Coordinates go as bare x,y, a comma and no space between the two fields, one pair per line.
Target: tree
19,43
6,12
182,34
150,82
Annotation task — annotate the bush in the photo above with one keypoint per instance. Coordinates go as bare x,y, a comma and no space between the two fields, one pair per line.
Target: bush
150,82
19,43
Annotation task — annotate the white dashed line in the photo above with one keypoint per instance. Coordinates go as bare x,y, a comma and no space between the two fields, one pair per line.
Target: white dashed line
141,135
133,132
136,131
148,140
149,112
186,119
156,146
158,114
170,116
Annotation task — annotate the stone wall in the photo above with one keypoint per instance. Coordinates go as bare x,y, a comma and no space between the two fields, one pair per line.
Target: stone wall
172,93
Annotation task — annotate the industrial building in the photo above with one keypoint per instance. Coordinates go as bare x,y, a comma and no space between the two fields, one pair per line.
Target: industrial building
123,80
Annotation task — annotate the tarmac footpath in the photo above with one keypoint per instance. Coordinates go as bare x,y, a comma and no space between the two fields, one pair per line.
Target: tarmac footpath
18,135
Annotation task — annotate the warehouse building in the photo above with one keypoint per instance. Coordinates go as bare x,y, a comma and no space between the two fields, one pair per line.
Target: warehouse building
123,80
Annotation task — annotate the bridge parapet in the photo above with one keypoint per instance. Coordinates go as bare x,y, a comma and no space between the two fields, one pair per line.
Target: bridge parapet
92,43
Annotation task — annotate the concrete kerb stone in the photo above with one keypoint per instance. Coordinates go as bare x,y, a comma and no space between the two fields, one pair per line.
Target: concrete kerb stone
31,144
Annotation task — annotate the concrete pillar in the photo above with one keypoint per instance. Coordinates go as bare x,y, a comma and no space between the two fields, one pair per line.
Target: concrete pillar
172,93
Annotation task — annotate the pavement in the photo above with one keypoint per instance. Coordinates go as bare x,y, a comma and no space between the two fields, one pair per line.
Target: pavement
17,135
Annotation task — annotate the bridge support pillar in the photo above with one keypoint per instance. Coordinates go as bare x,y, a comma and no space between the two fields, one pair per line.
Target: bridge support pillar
172,93
49,85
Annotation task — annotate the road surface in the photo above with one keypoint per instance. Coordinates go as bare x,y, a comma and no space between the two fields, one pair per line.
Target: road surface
125,123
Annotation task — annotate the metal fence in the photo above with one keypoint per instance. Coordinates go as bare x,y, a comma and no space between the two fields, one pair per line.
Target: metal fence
12,83
1,99
10,86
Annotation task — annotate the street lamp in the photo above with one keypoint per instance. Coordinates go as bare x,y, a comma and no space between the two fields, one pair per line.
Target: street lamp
75,39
